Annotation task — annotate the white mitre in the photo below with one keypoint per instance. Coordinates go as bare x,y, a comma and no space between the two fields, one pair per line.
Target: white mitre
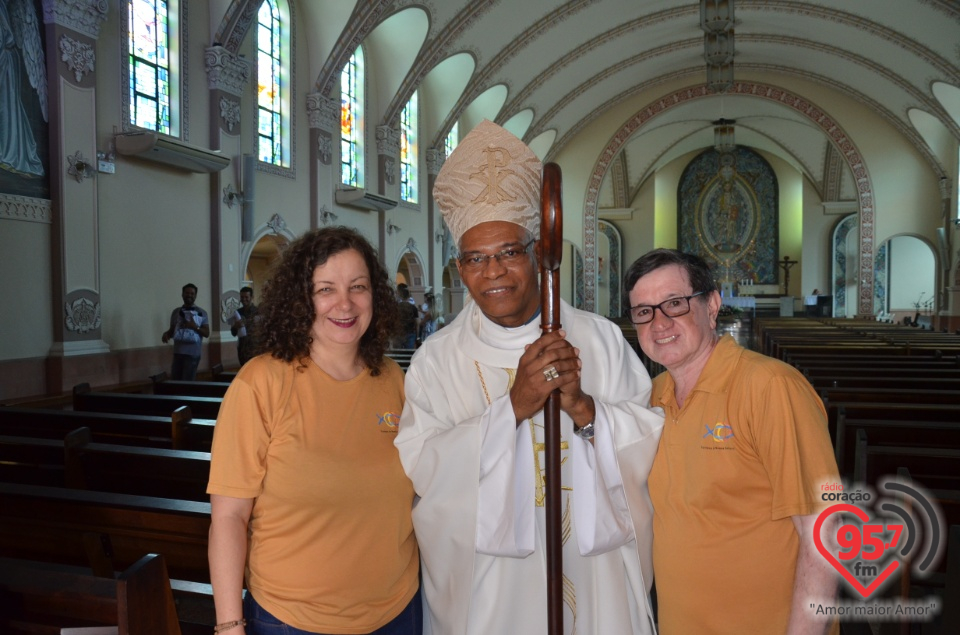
490,176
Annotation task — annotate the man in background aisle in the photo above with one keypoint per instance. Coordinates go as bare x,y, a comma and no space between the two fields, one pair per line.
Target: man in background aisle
189,324
471,431
409,318
244,325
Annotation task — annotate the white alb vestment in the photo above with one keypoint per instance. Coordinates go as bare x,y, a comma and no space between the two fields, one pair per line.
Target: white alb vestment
479,517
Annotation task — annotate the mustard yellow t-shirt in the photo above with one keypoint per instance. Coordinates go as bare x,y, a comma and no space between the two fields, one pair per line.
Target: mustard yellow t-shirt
331,545
749,449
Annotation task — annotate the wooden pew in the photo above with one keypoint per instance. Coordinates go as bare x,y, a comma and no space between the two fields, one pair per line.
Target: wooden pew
215,389
176,474
890,395
31,461
933,468
402,356
121,469
880,411
884,370
104,531
39,598
885,384
891,432
134,403
177,431
950,618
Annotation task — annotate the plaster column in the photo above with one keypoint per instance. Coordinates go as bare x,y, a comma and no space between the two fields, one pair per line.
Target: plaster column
324,115
435,158
388,156
227,79
78,353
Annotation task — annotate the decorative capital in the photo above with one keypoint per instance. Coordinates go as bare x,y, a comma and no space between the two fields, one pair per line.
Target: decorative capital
82,16
435,159
226,71
79,57
323,112
388,141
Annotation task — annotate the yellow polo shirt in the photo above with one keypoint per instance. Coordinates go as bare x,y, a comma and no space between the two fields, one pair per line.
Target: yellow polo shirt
748,450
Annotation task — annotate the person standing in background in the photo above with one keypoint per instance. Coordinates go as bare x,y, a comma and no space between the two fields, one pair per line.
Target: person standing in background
189,324
244,326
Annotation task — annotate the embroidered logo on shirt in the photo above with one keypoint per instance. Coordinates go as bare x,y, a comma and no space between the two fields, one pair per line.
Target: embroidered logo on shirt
720,432
389,419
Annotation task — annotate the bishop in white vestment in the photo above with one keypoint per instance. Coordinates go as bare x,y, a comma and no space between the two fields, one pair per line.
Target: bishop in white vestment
471,432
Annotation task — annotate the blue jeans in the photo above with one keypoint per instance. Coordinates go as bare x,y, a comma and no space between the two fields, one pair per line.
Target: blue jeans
184,367
260,622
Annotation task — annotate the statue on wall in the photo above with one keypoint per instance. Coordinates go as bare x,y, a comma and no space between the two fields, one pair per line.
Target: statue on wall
20,45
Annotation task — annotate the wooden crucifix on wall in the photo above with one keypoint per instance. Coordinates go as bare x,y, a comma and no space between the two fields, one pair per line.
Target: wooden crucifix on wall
785,264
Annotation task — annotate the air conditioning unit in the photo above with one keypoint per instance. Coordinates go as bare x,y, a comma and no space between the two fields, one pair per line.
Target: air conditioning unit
154,147
357,197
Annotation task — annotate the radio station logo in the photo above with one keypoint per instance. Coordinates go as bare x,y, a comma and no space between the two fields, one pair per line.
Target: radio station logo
874,545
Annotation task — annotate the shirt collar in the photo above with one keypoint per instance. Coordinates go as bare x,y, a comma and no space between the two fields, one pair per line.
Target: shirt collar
491,344
714,378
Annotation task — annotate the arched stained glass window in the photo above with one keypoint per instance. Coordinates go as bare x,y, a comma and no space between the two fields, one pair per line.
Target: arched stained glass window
408,151
453,138
269,102
150,63
351,121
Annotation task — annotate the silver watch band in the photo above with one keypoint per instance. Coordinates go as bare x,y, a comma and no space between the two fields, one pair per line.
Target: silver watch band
584,432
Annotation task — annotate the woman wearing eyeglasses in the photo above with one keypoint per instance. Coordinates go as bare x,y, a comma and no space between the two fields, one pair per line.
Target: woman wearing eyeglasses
736,480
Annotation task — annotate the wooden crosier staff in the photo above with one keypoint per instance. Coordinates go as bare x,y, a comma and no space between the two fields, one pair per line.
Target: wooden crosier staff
551,252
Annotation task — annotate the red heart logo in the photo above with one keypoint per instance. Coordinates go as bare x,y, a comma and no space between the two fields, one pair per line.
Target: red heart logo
862,515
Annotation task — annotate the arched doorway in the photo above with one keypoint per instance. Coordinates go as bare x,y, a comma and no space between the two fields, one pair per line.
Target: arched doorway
411,272
905,280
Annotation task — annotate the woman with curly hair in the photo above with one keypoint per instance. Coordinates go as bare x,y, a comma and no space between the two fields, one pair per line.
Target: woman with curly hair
306,486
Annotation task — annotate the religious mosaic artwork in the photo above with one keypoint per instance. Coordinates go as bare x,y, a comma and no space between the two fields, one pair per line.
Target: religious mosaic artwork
609,273
843,229
728,211
880,269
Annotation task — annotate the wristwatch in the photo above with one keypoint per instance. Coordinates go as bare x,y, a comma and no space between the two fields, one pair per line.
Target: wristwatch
584,432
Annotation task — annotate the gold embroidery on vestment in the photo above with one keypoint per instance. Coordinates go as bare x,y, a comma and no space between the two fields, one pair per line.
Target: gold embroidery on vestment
569,590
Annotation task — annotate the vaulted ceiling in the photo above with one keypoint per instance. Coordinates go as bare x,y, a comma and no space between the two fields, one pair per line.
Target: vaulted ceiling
546,68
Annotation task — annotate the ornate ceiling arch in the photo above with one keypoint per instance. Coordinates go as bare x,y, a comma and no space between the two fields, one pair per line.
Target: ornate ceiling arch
838,137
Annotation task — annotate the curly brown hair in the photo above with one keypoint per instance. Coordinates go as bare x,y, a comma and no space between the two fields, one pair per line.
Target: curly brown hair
287,307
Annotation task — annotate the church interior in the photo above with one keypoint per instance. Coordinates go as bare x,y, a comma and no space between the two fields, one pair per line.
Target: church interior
787,142
809,150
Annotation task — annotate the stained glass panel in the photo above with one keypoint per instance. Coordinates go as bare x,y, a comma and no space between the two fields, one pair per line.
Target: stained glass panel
408,151
351,132
453,138
149,65
268,83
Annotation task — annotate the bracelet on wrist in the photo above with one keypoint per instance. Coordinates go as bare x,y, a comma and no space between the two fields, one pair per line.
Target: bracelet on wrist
226,626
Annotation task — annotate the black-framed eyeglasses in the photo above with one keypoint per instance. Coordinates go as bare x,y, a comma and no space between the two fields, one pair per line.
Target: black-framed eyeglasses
475,261
673,307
